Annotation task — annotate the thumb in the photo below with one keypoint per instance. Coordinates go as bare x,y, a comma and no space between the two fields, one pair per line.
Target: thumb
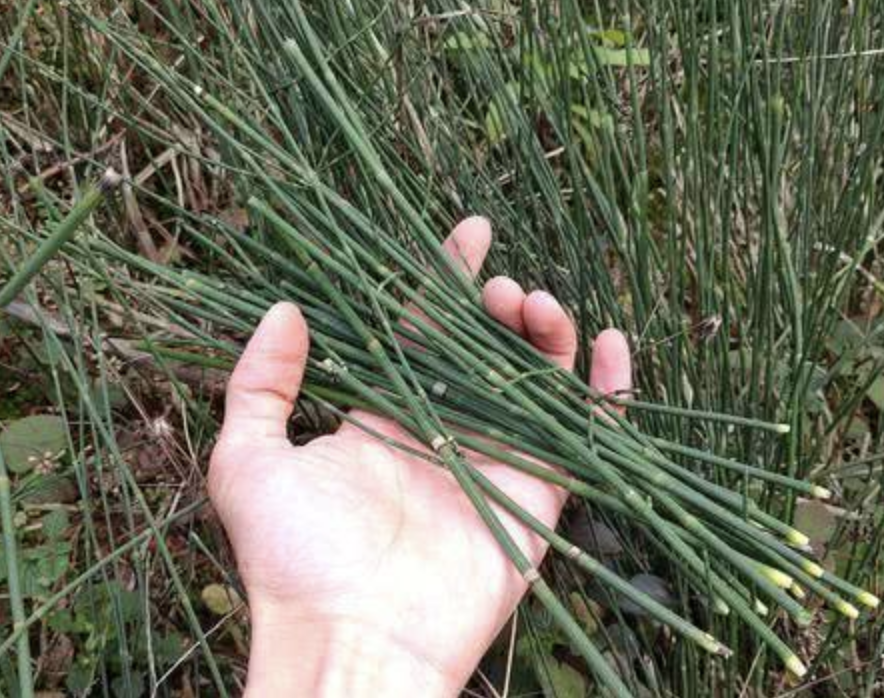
264,385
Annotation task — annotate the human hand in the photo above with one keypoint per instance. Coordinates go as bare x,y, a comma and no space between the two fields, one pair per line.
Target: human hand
368,571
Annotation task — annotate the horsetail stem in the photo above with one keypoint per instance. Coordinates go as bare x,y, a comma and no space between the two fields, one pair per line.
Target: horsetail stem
398,329
16,599
63,232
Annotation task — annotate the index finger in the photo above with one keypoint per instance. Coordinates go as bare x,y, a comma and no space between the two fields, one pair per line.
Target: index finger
467,246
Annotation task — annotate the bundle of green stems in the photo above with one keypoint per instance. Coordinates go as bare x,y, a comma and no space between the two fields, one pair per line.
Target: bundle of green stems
405,336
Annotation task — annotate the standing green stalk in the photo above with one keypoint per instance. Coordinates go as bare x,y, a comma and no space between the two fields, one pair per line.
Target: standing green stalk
15,39
25,675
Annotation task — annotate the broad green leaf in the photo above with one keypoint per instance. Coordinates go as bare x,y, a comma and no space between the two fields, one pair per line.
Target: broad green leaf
565,681
875,392
98,601
619,58
595,118
42,566
62,621
47,489
55,523
80,677
467,41
131,604
586,611
815,398
29,441
614,38
52,566
168,648
48,354
847,335
494,131
134,687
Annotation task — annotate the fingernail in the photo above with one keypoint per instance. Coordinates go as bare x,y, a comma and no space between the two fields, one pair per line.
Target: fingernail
546,297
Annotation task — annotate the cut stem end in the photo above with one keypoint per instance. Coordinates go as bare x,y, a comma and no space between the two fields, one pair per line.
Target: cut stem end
796,666
867,599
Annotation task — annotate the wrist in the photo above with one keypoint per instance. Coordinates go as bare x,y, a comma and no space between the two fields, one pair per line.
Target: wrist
296,655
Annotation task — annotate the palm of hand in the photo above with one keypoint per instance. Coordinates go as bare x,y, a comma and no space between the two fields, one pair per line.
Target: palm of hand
351,529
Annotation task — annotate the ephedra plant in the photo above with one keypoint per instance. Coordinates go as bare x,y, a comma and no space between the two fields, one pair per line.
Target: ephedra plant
344,219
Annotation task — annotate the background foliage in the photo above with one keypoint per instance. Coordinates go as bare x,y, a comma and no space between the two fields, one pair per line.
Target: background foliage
704,175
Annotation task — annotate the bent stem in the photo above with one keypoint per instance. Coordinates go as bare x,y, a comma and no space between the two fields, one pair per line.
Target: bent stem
65,230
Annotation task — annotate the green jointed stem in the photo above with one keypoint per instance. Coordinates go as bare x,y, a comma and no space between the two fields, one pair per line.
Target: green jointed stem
289,127
560,544
431,434
741,468
63,232
787,658
513,393
16,601
12,44
597,569
352,126
700,415
50,603
128,477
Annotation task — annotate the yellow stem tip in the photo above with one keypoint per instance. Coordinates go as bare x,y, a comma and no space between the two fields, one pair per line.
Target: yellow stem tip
847,609
796,537
796,666
867,599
